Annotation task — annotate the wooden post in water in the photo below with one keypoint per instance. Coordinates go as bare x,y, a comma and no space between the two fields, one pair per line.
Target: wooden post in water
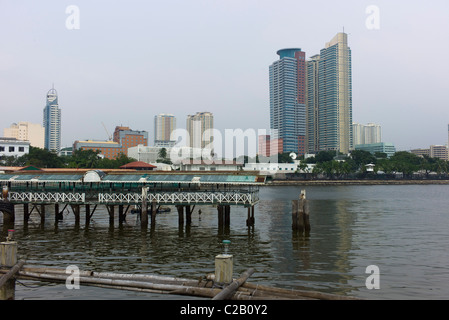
180,214
8,258
220,211
111,211
224,265
42,213
26,212
121,217
305,209
189,212
144,211
76,212
153,213
300,214
87,214
227,216
56,212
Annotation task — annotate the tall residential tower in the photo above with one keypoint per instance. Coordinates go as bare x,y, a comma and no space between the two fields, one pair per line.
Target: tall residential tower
329,98
164,124
288,98
52,122
200,129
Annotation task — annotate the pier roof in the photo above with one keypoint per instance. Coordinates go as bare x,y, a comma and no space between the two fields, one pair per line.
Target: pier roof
138,177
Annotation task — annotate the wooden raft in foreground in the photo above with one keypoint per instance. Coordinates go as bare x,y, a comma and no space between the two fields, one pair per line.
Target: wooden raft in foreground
239,289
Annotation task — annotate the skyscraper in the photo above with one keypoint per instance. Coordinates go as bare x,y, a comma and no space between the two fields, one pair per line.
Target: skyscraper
287,99
199,128
329,97
164,124
52,122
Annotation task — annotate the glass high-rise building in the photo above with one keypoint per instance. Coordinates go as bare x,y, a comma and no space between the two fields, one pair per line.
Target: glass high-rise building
329,98
52,122
287,99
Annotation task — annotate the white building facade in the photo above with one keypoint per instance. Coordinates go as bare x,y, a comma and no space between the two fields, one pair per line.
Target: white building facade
13,147
26,131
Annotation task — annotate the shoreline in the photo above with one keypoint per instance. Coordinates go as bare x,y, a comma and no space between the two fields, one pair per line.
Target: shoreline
354,182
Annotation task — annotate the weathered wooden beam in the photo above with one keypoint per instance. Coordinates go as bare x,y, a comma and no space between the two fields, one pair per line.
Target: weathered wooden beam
11,272
229,290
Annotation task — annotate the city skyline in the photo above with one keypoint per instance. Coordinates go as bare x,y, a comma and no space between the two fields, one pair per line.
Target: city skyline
214,56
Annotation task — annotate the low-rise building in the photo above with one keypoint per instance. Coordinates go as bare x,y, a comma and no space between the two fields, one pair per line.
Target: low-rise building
383,147
124,138
151,154
212,165
438,151
26,131
13,147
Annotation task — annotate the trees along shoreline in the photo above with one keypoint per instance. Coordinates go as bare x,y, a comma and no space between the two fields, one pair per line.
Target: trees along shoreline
327,163
331,165
80,159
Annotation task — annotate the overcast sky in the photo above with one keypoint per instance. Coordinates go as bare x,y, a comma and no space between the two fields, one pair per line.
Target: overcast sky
130,60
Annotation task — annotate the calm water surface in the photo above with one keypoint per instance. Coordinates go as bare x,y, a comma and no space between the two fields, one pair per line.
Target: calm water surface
403,230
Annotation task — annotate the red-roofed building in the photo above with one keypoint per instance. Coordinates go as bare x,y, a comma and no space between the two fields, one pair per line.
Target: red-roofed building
138,165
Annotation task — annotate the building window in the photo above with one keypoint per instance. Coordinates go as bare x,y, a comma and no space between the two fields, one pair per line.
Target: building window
2,149
21,149
11,149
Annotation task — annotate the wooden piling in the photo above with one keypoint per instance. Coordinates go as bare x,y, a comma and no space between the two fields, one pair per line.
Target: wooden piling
220,211
76,212
8,253
227,215
42,213
8,213
300,214
250,217
223,268
56,212
153,212
144,209
87,208
180,209
26,212
111,211
8,282
188,215
253,220
121,216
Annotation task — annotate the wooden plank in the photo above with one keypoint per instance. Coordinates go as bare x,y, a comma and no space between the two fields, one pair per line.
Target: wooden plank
11,272
229,291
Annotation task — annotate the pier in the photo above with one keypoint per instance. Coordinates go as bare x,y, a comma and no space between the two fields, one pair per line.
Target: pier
137,191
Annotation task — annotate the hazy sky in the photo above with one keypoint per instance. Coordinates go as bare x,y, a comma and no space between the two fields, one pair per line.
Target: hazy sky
130,60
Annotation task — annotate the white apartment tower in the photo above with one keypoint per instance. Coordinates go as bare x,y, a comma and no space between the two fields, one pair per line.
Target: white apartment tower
366,134
200,129
164,124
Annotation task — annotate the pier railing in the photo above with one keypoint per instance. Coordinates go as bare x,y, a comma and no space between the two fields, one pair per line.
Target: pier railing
185,197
